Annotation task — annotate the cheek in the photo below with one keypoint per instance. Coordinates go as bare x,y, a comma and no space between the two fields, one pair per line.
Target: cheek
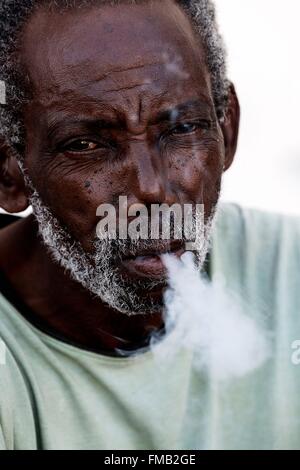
198,172
73,194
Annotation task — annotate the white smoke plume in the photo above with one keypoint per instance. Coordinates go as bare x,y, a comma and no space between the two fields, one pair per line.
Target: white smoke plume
202,316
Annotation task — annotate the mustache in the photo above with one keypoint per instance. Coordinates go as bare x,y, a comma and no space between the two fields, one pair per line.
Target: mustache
131,247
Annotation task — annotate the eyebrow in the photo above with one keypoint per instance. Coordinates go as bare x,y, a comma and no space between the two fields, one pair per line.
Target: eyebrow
181,110
168,115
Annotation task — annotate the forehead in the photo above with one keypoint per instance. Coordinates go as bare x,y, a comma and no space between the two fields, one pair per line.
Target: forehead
104,51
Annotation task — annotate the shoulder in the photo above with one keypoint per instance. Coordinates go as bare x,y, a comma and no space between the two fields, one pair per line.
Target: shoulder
17,428
241,221
251,232
17,402
258,254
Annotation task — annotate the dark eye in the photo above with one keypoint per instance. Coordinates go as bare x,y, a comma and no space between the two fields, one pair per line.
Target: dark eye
186,128
81,146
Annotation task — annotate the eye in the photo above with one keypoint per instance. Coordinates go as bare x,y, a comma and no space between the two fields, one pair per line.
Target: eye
185,128
189,127
81,145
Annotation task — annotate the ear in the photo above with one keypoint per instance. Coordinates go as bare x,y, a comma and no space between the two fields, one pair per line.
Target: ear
13,197
230,127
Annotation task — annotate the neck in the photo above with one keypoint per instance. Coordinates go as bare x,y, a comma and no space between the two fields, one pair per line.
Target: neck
59,304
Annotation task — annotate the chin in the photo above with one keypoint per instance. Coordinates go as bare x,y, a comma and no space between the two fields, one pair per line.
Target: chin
146,305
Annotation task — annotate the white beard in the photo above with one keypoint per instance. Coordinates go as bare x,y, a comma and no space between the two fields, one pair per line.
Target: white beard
98,273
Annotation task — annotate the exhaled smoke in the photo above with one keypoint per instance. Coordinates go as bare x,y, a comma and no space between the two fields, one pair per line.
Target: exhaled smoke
203,317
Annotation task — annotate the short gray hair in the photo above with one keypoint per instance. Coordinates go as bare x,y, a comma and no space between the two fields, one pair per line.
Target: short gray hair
15,13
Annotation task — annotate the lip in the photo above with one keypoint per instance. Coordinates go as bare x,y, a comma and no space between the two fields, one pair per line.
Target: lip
149,264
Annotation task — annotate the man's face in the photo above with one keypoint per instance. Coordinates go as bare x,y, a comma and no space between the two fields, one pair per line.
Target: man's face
122,105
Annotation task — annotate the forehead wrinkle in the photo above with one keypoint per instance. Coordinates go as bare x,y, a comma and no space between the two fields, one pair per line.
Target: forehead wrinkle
125,88
86,59
65,87
115,79
84,89
117,70
59,117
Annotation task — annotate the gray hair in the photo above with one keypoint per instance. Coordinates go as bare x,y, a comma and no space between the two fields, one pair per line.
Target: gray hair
15,13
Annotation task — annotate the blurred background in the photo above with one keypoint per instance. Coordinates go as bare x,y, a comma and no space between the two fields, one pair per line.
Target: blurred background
263,40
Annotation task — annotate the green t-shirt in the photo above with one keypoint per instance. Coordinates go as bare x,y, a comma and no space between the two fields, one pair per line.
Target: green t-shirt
57,396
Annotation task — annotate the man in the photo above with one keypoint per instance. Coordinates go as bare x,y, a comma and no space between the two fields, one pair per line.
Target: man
105,99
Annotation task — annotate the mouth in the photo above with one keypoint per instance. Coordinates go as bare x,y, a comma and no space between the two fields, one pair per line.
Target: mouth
147,263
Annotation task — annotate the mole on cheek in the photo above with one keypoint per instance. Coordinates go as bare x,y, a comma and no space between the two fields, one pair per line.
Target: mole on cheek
87,184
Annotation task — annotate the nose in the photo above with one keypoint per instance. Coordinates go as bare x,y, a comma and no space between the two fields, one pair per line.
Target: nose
149,181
